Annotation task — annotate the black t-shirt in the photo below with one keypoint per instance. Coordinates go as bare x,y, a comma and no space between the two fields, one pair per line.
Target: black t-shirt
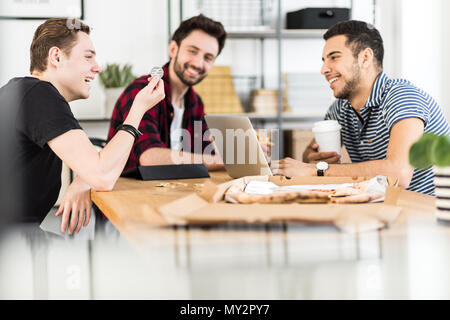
40,114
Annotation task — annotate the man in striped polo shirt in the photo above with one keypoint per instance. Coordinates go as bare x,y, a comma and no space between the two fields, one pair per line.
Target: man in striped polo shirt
380,117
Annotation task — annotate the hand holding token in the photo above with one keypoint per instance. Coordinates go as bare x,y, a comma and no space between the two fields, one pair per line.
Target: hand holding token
157,72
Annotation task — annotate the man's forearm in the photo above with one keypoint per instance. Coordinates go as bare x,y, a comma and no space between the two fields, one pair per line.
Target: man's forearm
160,156
115,154
389,168
164,156
213,162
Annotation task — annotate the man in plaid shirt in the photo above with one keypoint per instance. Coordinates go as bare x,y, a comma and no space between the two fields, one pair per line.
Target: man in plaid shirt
174,130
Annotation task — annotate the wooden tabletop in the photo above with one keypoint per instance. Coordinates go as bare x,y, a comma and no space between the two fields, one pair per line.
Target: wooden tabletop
132,203
131,206
409,259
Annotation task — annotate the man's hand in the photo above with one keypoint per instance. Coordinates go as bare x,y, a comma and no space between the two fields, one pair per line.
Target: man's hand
265,144
312,155
213,162
266,150
76,200
292,168
151,94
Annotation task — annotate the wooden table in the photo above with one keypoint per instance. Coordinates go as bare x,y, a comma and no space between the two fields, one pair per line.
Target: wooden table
132,204
286,261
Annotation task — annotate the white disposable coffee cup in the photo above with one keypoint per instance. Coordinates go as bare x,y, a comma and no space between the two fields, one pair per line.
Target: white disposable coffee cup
328,136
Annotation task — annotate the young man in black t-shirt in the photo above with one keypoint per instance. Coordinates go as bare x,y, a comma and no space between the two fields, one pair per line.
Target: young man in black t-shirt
46,133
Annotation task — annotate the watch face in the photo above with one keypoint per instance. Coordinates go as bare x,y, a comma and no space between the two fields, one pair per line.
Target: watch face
322,165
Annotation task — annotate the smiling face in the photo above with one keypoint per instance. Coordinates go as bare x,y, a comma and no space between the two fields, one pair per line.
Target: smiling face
340,68
77,69
194,57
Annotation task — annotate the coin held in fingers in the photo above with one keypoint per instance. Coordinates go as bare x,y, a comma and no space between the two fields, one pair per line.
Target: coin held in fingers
157,72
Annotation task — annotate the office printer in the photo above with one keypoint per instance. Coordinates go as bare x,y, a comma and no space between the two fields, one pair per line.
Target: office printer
316,18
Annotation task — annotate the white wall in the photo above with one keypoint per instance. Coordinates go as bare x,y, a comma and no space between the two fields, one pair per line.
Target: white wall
416,35
15,41
421,42
132,31
389,23
445,62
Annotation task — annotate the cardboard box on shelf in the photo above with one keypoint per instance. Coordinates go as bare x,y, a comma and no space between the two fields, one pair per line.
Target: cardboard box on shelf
265,101
209,207
218,93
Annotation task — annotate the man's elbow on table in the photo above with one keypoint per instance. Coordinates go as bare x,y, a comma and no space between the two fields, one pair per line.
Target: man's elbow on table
102,186
404,176
101,182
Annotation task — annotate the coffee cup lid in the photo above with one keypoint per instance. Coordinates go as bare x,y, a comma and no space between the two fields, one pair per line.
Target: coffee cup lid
325,126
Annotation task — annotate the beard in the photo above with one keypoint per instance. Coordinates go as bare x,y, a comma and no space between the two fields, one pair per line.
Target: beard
351,86
181,69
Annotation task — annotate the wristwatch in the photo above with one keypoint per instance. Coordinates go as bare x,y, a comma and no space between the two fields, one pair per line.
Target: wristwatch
321,168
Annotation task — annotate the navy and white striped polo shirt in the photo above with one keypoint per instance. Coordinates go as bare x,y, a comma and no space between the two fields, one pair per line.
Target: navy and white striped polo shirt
390,101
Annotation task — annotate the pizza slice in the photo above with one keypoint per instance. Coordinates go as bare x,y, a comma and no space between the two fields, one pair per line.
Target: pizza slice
357,198
359,192
356,189
236,194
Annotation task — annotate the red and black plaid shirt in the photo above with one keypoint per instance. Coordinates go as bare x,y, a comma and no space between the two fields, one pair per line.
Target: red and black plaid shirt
155,125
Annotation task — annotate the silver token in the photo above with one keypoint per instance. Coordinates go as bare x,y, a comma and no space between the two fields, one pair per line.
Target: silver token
157,72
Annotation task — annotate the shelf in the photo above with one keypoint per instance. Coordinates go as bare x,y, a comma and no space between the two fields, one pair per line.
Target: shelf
272,34
291,121
286,116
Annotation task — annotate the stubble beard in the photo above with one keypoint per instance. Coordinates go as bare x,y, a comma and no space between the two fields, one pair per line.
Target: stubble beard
179,71
351,86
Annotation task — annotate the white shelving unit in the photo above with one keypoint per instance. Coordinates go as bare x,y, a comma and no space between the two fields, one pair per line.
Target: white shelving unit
281,121
272,34
270,28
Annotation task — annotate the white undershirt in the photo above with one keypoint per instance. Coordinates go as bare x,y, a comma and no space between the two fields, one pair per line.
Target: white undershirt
175,128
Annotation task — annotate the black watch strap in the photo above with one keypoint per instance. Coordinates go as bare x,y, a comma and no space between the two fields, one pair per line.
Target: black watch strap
130,129
320,173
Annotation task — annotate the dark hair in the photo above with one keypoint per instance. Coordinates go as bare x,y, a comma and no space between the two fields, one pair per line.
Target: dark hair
201,22
360,35
55,32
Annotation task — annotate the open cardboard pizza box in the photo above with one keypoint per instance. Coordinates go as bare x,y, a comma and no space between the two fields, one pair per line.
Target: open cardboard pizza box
209,207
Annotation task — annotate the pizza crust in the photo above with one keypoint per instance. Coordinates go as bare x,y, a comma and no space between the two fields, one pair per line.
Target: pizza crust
354,194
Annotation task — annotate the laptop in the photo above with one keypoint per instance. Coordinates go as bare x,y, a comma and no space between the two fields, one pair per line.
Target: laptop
237,143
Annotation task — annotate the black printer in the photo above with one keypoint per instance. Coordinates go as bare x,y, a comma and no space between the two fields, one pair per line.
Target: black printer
316,18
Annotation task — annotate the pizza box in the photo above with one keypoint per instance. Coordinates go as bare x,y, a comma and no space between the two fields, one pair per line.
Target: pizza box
209,207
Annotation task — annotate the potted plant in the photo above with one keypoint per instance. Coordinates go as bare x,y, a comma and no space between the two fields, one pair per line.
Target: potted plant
115,79
432,150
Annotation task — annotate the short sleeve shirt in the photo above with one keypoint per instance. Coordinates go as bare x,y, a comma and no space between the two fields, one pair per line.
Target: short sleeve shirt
40,115
390,101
